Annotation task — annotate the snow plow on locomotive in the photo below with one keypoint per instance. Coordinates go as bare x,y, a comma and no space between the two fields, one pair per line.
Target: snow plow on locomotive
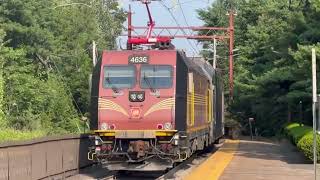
152,109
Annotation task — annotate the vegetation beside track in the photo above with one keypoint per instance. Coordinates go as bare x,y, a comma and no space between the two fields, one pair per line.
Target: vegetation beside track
302,137
16,135
45,59
45,62
273,59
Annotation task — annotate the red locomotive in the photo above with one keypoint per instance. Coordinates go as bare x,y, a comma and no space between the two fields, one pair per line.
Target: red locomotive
153,108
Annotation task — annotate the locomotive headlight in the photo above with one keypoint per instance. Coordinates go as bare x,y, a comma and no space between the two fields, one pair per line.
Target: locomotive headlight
133,96
140,97
168,126
104,126
136,96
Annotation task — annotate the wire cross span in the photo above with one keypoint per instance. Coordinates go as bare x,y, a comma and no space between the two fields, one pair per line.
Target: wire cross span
180,32
151,34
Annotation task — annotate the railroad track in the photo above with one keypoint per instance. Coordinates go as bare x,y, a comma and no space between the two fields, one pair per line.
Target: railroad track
175,173
194,161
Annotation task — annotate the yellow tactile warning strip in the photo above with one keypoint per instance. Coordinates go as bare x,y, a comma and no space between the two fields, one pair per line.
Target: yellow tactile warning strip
214,166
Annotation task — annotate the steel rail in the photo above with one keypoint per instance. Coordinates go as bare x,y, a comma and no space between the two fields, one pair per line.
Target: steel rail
185,164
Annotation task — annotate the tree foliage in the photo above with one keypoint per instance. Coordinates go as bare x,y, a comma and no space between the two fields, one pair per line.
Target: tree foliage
273,69
2,120
46,59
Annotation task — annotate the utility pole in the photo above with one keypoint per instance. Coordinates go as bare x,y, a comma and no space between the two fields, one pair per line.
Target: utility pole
314,99
231,45
94,57
214,53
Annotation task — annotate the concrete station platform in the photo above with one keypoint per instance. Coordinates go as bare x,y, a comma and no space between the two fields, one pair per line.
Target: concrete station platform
255,160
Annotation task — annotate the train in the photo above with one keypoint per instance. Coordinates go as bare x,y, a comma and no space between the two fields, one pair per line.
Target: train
152,109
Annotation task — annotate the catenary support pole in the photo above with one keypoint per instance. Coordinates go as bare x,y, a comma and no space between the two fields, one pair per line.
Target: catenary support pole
231,44
214,53
94,57
129,45
314,99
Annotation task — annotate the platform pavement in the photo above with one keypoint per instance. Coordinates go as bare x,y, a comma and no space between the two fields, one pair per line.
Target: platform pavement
262,159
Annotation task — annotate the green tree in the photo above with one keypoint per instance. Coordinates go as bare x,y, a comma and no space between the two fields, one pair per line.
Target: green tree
47,61
272,72
2,120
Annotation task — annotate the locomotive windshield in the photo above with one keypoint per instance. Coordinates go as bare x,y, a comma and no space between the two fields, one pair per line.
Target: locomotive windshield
156,76
119,77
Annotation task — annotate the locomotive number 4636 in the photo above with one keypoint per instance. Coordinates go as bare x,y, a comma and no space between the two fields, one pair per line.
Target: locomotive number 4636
138,59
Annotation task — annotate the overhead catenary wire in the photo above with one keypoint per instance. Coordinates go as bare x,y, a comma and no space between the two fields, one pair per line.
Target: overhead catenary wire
68,89
112,23
186,21
187,2
195,49
72,4
184,16
98,12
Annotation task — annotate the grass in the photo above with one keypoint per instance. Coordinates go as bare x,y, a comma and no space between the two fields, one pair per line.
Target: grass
14,135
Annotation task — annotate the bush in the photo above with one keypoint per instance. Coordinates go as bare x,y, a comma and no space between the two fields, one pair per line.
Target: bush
296,132
302,137
306,145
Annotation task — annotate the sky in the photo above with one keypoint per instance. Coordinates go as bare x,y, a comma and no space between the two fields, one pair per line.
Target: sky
162,17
